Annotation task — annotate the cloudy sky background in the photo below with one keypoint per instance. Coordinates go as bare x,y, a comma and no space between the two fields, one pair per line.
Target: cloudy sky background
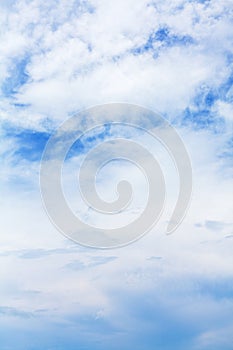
162,292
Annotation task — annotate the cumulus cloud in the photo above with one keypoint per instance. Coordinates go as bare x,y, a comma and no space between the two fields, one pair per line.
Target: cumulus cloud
60,57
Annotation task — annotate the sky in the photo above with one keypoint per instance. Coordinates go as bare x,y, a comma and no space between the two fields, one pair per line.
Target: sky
162,292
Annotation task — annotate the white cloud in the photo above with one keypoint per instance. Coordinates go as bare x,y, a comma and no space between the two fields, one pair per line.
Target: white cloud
80,57
225,110
81,54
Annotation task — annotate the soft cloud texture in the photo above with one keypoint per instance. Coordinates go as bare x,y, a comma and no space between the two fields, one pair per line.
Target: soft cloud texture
163,292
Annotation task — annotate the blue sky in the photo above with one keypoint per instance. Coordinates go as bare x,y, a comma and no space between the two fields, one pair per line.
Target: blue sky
161,292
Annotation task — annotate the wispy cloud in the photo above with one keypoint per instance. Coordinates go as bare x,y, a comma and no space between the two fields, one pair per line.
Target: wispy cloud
168,292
